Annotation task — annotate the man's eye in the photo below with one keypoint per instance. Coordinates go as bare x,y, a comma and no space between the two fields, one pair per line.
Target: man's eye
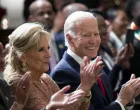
96,34
86,35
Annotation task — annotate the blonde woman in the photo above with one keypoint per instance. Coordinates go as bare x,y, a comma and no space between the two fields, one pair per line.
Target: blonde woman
29,51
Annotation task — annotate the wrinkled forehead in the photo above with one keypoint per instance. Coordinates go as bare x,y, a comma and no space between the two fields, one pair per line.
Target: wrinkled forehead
87,25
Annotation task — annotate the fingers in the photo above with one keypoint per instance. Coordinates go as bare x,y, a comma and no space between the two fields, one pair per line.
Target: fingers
137,92
64,89
132,85
95,66
72,101
98,65
126,50
122,50
75,96
136,84
24,81
86,60
132,77
81,68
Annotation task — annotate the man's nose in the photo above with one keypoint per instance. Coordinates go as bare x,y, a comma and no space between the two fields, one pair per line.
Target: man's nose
92,39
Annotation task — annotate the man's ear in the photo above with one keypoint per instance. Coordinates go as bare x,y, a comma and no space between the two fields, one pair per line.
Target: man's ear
70,40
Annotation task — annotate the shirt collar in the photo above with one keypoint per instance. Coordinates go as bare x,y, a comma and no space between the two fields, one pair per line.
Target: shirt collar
74,56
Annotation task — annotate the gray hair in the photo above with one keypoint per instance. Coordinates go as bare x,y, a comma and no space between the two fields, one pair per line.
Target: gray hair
25,38
71,25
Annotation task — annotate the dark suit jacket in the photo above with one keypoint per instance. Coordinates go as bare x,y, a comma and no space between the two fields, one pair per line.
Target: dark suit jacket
66,72
5,99
60,43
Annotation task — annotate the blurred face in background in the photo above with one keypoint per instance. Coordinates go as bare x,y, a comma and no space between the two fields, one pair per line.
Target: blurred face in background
106,4
120,23
59,3
43,13
136,10
103,30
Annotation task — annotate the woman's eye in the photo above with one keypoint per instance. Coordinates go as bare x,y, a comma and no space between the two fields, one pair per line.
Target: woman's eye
41,49
48,47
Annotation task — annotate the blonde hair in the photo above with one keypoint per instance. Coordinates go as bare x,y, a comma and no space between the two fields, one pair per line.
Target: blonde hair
25,38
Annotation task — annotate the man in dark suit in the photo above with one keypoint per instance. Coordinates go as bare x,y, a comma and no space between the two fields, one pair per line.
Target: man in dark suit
5,98
82,39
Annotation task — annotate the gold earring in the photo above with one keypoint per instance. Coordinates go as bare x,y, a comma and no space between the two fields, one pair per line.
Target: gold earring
24,68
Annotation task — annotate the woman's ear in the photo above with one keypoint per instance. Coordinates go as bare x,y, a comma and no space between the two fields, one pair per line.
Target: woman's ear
22,58
70,40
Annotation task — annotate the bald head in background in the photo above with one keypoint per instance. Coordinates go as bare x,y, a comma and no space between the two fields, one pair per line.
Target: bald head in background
41,11
69,9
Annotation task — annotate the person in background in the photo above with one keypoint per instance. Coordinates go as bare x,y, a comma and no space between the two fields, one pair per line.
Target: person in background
118,25
42,11
132,9
83,39
21,94
29,51
113,66
3,52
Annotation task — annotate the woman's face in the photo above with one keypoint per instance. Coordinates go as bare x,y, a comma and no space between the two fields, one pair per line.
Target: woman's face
120,23
38,61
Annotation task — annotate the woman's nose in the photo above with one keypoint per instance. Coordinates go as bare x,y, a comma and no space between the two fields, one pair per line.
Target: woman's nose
47,53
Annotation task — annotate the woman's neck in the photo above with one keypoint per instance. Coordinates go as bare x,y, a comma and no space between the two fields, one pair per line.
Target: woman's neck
35,76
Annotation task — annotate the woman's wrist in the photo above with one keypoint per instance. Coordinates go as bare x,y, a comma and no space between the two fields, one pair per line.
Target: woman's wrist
84,88
49,107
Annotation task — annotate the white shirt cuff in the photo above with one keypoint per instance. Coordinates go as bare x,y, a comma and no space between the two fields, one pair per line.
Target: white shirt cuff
121,105
129,108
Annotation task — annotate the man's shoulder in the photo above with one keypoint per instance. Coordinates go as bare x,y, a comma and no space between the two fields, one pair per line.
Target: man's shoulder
62,66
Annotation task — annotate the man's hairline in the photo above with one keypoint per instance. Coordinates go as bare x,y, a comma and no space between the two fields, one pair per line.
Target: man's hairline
77,25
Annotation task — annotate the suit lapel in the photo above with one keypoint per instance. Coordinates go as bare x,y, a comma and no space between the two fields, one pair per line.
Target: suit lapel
75,65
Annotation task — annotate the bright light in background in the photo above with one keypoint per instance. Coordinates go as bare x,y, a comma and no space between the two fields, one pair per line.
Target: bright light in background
4,23
14,12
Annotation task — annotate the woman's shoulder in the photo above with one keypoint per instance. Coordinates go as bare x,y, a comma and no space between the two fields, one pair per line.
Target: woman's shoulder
49,81
45,77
